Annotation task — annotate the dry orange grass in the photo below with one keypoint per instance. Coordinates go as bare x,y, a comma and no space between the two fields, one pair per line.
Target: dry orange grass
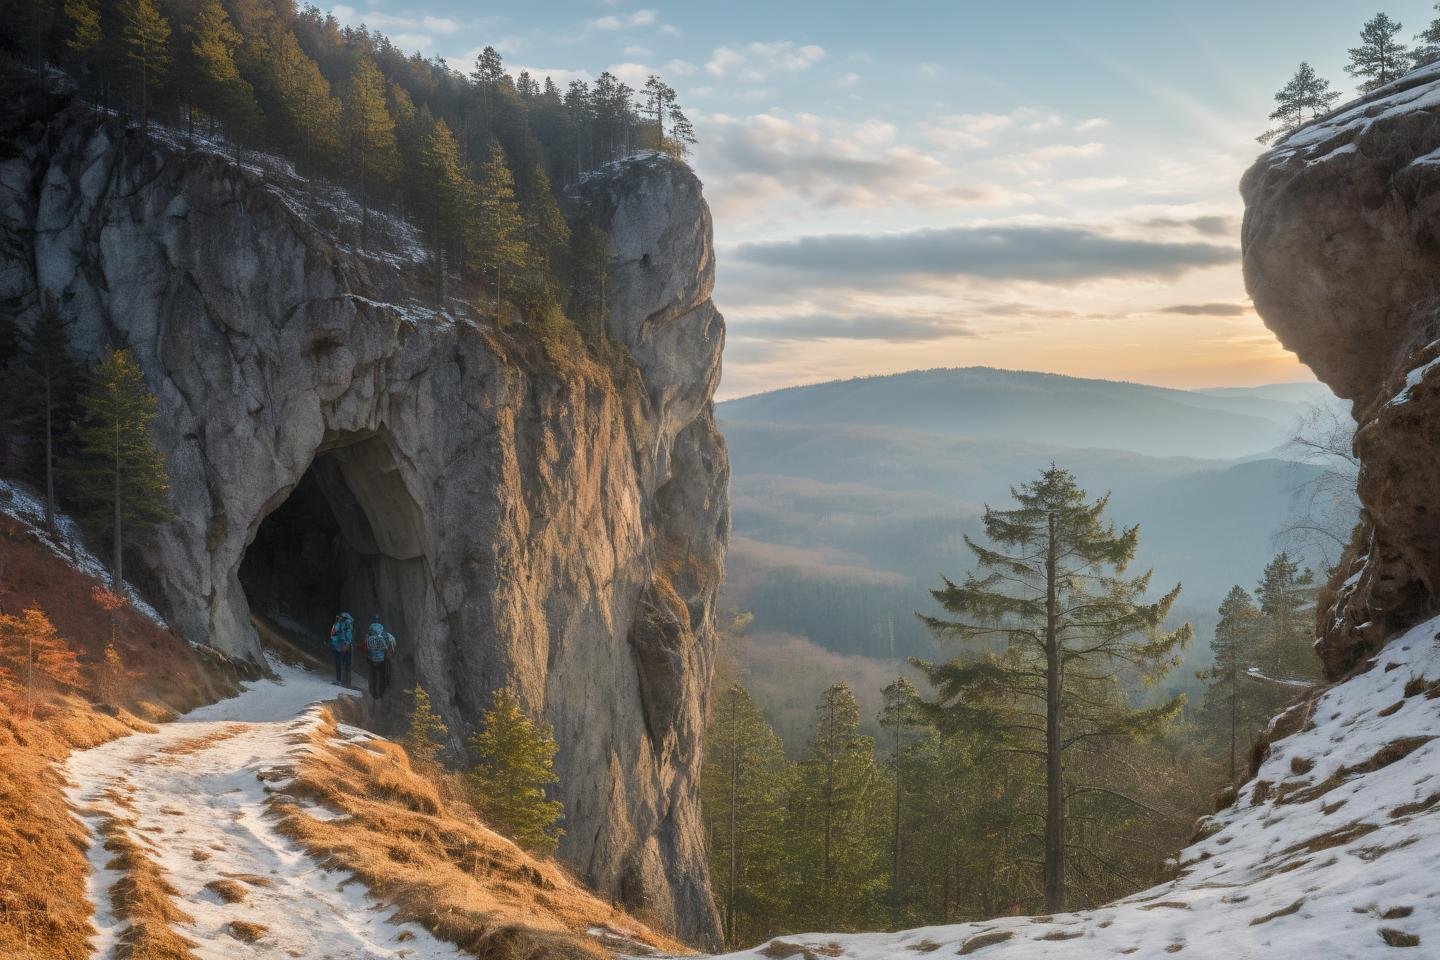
431,859
145,899
44,908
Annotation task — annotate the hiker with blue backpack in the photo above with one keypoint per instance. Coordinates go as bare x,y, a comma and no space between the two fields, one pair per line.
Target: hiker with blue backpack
342,643
379,649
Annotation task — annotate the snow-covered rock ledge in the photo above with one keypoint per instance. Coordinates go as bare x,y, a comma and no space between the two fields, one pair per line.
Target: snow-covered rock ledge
1330,851
1341,261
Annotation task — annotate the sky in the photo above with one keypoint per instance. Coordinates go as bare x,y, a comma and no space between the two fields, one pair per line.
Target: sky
1029,184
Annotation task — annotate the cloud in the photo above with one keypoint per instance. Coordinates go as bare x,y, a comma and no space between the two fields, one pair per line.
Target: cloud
966,131
1043,158
891,328
561,75
1059,255
624,21
1208,309
1093,123
751,162
415,30
755,62
1210,225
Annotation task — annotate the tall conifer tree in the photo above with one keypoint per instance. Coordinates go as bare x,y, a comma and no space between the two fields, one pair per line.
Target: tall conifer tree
119,470
743,787
1051,588
145,35
369,136
51,379
500,250
1229,696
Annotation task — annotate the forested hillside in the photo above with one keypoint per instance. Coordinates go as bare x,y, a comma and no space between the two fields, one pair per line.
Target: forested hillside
477,160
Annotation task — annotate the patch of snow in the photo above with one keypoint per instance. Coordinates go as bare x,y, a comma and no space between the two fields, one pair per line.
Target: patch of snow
22,505
198,804
1413,379
1316,864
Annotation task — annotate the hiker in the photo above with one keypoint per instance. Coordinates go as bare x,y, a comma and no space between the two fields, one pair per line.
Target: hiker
342,642
379,648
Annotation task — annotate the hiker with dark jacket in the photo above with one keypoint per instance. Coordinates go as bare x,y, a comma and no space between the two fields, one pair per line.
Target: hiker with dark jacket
342,644
379,649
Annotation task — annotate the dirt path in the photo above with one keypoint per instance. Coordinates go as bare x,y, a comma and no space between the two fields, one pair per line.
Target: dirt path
193,795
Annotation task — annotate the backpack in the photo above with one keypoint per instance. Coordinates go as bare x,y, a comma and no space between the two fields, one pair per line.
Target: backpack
375,645
342,634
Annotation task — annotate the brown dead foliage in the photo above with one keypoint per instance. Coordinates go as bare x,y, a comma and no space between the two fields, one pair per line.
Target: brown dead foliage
245,931
1392,752
981,940
429,857
1399,938
1276,914
231,891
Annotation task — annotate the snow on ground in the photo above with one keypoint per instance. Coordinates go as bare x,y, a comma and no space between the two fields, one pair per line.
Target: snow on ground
65,542
195,791
1332,851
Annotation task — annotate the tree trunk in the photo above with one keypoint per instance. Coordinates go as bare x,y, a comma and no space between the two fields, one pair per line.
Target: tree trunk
1054,810
49,454
734,859
1234,720
117,573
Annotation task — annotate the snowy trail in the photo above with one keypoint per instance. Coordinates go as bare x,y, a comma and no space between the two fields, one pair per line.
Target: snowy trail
195,792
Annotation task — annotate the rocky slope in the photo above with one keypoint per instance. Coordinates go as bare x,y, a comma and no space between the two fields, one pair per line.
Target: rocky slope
1342,260
515,518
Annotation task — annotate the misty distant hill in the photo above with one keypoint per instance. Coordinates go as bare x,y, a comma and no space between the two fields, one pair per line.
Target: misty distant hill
851,498
980,402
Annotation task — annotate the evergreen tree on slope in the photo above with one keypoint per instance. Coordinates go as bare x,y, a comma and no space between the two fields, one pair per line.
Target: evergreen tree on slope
1380,57
515,762
1051,588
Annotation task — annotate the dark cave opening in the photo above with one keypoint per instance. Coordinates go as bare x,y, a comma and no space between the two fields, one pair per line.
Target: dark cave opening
346,537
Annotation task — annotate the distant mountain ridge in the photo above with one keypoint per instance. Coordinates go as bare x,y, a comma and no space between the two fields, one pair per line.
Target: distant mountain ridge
1073,412
850,498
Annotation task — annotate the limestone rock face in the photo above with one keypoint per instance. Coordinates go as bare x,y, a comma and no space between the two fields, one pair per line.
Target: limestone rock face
334,441
1342,259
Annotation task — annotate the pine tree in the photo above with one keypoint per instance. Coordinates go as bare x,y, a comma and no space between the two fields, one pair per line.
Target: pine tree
296,96
1304,92
446,199
145,36
83,36
31,640
219,88
898,715
119,470
1380,58
743,785
590,279
1052,590
1427,49
369,135
836,776
515,763
499,241
49,379
545,225
1286,594
425,732
682,133
1229,702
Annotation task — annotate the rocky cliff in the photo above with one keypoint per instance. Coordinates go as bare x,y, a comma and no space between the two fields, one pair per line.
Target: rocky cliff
516,513
1342,259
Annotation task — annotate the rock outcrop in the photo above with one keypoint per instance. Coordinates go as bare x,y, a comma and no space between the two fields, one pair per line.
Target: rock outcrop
1342,259
517,516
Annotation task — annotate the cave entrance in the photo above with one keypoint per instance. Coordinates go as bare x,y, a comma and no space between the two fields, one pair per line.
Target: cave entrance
346,537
